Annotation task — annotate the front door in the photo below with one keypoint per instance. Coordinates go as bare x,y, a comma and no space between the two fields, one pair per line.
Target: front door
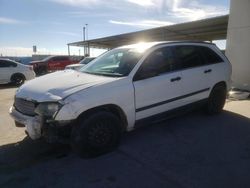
157,84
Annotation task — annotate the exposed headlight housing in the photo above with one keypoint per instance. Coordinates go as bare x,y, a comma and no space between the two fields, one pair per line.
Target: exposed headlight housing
48,109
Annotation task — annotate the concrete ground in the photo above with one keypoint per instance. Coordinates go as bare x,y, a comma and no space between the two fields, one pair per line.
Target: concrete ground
194,150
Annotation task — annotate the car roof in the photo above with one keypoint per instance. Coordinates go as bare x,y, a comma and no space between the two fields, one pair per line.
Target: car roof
147,45
58,55
7,59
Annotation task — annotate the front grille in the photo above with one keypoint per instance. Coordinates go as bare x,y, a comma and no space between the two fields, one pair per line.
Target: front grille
25,107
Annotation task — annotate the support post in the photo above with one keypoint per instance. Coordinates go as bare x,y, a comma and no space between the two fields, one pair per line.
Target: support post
68,49
83,36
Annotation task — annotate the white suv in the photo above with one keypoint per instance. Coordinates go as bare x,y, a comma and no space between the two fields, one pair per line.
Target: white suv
119,90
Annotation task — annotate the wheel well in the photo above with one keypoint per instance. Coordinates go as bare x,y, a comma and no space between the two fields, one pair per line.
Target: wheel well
222,83
116,110
17,74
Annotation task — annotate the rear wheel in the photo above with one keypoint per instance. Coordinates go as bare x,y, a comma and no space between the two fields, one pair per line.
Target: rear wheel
217,99
17,79
97,134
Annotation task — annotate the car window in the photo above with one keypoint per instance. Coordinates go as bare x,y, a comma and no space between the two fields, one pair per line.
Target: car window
210,56
56,59
189,56
158,62
49,58
63,58
4,63
59,58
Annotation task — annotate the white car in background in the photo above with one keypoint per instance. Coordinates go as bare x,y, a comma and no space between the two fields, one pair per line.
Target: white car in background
81,64
14,72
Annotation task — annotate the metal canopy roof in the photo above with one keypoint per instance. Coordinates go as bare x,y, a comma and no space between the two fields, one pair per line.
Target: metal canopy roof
201,30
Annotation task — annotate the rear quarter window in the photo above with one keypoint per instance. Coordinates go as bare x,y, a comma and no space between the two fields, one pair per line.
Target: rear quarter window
210,56
5,63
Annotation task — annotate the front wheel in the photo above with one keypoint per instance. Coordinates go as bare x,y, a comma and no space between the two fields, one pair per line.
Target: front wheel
97,134
216,100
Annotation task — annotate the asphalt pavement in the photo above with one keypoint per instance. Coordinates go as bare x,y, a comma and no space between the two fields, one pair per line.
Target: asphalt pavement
189,151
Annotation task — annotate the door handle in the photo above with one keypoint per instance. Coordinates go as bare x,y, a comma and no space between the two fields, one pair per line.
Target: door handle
175,79
207,71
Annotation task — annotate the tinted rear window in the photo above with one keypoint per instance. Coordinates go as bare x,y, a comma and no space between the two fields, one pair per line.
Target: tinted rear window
60,58
210,56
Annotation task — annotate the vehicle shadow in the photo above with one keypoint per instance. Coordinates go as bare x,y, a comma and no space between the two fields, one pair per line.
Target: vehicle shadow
192,150
27,152
7,86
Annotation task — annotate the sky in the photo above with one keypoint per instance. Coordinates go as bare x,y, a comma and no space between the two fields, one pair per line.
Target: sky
51,24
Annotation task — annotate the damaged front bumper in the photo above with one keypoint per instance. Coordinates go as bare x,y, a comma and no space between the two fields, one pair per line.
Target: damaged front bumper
33,124
38,126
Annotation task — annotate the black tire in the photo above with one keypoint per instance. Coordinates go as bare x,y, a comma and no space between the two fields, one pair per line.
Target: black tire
216,100
95,135
18,79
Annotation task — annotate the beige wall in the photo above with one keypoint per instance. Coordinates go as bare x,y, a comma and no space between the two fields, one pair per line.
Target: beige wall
238,43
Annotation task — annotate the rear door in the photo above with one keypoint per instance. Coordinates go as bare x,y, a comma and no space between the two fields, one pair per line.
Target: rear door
218,68
66,61
55,63
196,73
157,84
63,62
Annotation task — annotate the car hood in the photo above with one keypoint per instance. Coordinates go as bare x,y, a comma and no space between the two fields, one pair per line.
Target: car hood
58,85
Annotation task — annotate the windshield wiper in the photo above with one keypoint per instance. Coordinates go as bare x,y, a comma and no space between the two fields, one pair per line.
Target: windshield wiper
104,74
113,74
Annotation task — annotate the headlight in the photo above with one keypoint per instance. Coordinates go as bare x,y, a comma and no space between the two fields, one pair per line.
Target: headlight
48,108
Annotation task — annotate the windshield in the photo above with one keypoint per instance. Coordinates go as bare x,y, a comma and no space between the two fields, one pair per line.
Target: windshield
117,62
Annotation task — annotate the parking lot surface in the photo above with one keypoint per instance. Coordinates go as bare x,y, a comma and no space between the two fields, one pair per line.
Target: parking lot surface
192,150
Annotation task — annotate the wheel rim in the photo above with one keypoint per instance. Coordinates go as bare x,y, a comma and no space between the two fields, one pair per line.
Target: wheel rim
100,134
18,80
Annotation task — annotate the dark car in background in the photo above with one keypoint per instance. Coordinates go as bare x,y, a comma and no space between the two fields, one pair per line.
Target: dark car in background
52,63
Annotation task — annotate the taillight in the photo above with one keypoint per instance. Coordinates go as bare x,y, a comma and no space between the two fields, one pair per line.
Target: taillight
31,68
